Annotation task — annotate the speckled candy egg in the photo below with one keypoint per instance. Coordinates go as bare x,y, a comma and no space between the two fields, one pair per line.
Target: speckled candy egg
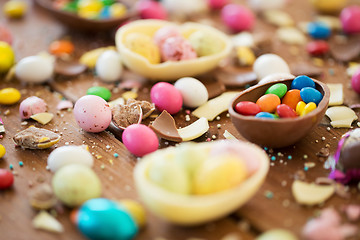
103,219
34,69
30,106
166,97
108,66
140,139
92,113
193,92
68,155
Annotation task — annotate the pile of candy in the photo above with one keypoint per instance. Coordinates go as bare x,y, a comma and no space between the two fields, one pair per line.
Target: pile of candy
278,102
92,9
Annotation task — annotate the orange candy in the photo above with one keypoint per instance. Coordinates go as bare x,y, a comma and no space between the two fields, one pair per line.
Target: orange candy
291,98
268,102
61,47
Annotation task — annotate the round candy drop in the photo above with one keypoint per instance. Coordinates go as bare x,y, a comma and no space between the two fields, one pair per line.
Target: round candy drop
102,92
278,89
247,108
14,8
284,111
309,94
319,47
61,47
291,98
151,9
355,81
268,102
328,6
350,19
302,81
6,179
2,150
9,96
237,18
7,57
318,30
140,139
265,115
166,97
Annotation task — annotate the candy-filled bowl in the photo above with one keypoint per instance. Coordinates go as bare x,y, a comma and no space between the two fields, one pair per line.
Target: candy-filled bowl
171,70
272,132
198,205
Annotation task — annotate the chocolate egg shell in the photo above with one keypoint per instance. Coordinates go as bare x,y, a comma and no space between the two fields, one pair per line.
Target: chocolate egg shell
350,152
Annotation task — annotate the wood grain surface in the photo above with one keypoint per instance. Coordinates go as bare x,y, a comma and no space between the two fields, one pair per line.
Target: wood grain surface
37,30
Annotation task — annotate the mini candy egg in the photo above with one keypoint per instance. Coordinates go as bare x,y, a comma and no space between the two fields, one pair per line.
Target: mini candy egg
278,89
217,4
117,10
355,81
237,17
309,94
350,19
74,184
268,64
151,9
308,108
329,6
65,155
247,108
9,96
265,115
300,108
166,97
261,5
92,113
291,98
177,49
61,47
7,57
318,30
205,43
140,139
143,45
316,48
6,179
104,219
2,150
102,92
193,92
284,111
34,69
268,102
183,8
30,106
14,8
5,35
277,234
108,66
164,33
136,210
302,81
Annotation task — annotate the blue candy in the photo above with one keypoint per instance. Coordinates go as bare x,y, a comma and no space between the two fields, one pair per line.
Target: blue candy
318,30
103,219
309,94
302,81
264,115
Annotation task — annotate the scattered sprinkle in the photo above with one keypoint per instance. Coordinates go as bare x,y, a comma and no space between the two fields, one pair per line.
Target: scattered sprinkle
269,194
289,157
21,164
217,118
218,126
102,166
108,147
11,167
116,155
305,156
273,158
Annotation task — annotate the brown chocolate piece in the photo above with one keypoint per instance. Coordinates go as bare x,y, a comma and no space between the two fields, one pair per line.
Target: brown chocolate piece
304,68
36,138
346,50
125,115
164,126
146,107
69,68
42,197
236,79
213,86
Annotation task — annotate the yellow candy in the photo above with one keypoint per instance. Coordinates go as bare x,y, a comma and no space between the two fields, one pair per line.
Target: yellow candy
245,56
9,96
308,108
88,14
136,211
143,45
300,107
2,151
328,6
117,10
7,57
129,94
14,8
89,58
90,6
218,174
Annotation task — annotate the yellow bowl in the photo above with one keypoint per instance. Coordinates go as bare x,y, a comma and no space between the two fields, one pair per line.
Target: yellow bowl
189,210
169,70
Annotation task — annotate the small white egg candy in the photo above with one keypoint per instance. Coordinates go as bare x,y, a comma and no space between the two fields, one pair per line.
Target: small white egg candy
276,76
66,155
35,69
268,64
261,5
183,8
108,66
193,92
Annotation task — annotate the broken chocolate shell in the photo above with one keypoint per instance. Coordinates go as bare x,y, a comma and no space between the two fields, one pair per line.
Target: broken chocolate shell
125,115
36,138
164,127
146,107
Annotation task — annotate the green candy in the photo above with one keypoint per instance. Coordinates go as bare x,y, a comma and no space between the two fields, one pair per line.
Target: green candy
278,89
100,92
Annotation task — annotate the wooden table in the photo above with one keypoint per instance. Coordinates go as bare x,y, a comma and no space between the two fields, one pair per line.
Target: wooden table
37,30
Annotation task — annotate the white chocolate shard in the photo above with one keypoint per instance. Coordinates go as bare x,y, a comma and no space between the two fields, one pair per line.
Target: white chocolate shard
278,18
47,222
341,116
194,130
228,135
120,101
215,106
344,123
336,94
43,118
291,35
311,194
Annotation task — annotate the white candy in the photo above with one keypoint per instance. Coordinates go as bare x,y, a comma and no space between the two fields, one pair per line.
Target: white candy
34,69
193,92
69,155
108,66
260,5
268,64
276,76
185,7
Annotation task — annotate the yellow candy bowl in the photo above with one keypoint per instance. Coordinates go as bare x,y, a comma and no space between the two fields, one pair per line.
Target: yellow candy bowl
169,70
190,210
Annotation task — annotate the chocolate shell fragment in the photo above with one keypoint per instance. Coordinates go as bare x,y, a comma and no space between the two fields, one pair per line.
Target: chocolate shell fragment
36,138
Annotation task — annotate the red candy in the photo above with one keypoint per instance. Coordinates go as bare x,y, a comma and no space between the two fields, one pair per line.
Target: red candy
316,48
247,108
166,97
6,179
350,19
237,17
151,9
355,81
284,111
268,102
291,98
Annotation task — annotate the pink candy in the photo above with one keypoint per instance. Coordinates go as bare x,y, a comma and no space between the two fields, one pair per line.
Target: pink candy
350,19
140,139
30,106
151,9
355,81
5,34
164,33
177,49
166,97
217,4
237,17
